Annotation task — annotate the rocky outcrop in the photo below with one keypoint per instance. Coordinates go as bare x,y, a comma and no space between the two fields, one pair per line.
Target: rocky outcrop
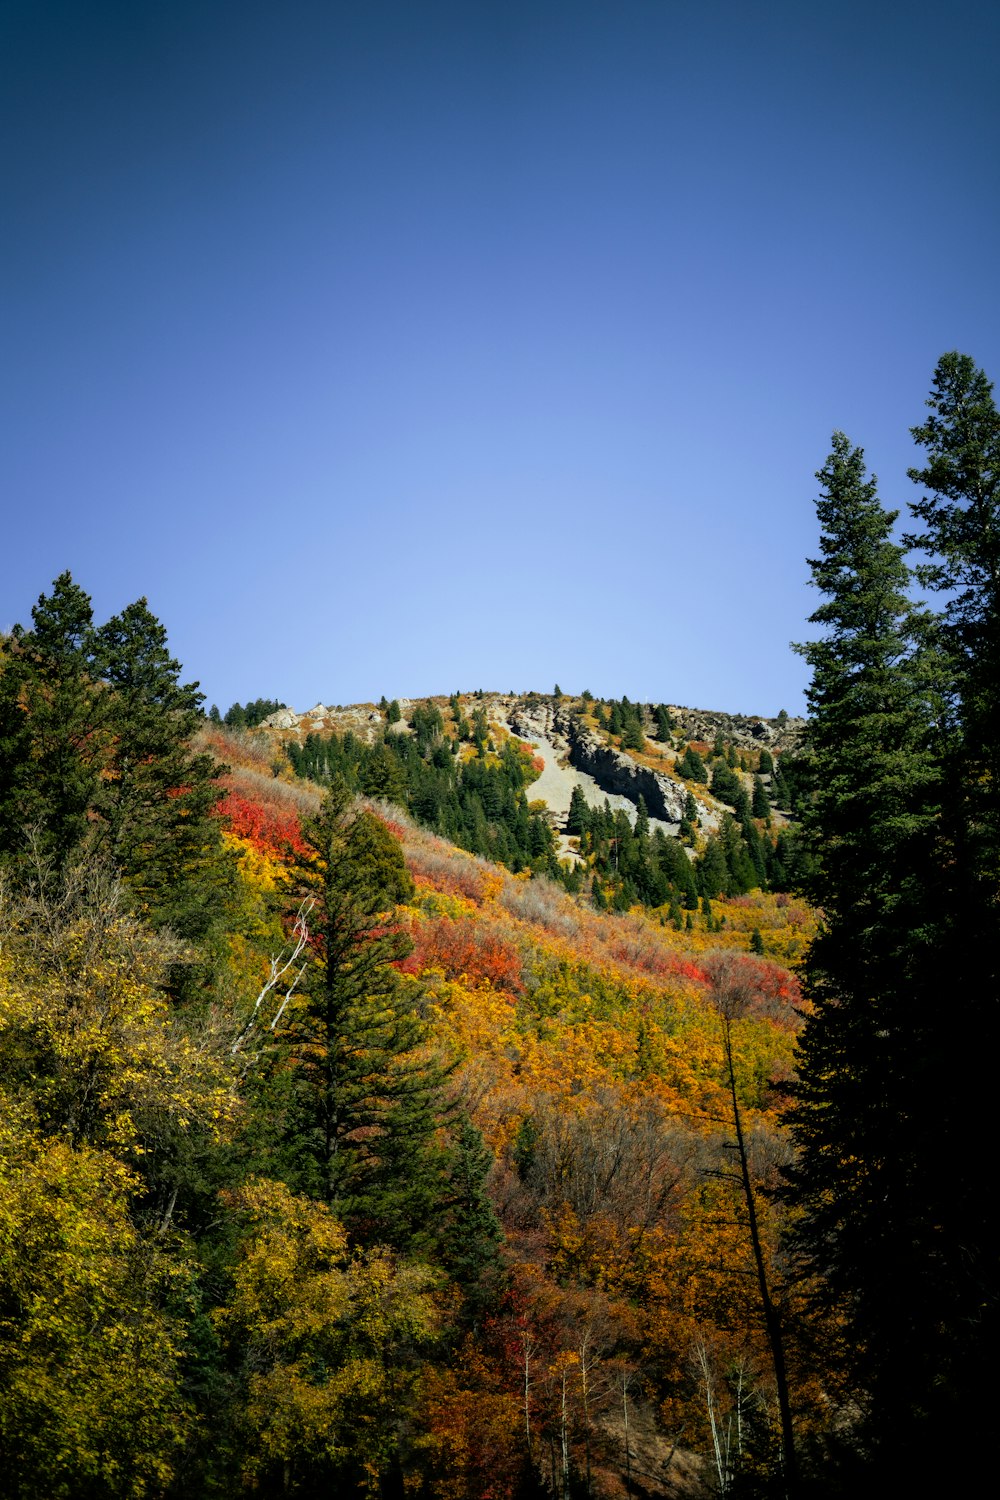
747,732
611,770
363,720
285,718
614,771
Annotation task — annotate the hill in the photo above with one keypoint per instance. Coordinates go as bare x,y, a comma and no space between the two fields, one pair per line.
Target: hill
337,1154
586,791
590,1053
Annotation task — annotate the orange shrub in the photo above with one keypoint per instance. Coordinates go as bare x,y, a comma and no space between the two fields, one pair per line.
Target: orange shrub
270,827
469,947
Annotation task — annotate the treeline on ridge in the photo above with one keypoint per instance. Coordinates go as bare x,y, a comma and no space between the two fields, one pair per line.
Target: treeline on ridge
452,777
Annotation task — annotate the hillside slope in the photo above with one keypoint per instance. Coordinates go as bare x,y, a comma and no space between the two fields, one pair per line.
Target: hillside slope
589,1051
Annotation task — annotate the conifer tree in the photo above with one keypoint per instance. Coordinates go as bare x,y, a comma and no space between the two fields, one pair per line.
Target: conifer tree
468,1232
578,818
961,533
761,806
156,801
54,739
960,537
860,1119
713,871
95,728
369,1099
664,723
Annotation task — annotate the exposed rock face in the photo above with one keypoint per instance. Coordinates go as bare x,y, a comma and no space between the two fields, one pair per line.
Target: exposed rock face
747,732
285,718
617,772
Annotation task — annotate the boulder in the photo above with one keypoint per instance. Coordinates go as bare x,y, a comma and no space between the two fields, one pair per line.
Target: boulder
285,718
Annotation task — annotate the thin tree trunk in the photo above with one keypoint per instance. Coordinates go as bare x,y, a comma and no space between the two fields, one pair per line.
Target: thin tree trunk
771,1320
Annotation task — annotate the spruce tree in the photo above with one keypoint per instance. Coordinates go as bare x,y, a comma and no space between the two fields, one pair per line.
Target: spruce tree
961,535
713,870
865,1135
578,818
54,733
664,723
959,510
155,804
368,1097
468,1232
761,806
95,731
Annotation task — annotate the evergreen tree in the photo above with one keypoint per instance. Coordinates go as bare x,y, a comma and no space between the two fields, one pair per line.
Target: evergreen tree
235,717
632,735
155,801
713,871
760,806
369,1099
382,775
692,766
868,1147
578,818
727,786
54,735
961,533
743,875
960,515
95,729
468,1231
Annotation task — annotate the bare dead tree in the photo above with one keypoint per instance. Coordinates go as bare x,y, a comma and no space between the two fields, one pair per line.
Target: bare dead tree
284,967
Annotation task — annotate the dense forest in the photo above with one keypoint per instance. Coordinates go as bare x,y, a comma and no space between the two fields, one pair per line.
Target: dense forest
361,1138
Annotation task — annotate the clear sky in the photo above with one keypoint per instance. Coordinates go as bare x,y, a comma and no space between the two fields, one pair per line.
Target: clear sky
404,347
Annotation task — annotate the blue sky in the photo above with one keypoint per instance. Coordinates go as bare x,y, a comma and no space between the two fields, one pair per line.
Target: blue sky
404,347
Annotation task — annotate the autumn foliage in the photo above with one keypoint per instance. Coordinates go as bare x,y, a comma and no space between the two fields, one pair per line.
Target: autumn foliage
579,1297
271,827
467,950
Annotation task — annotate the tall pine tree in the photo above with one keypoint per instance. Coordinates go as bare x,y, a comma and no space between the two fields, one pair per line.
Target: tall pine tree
960,514
369,1098
96,758
863,1117
155,804
54,737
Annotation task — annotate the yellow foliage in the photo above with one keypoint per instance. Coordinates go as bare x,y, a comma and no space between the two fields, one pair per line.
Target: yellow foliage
84,1021
323,1335
261,871
89,1401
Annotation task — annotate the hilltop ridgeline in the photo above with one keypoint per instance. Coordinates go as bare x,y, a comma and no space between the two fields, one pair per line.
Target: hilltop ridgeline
746,731
569,734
